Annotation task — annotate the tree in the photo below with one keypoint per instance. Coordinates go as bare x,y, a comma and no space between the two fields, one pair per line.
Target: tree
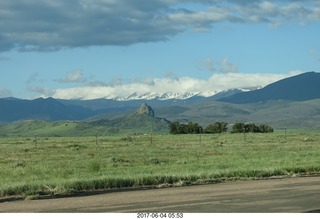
174,127
190,128
183,129
265,128
238,127
193,128
217,127
251,127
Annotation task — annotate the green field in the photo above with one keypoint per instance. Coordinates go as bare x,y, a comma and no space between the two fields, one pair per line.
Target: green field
30,167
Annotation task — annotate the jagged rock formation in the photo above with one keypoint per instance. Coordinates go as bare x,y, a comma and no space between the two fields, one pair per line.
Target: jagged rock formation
146,109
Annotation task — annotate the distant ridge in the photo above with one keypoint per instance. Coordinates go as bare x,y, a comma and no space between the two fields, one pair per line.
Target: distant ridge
13,109
301,87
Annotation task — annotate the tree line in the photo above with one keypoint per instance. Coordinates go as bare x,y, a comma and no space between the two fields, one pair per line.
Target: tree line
218,127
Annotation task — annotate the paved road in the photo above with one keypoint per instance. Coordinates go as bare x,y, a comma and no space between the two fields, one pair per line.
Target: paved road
277,195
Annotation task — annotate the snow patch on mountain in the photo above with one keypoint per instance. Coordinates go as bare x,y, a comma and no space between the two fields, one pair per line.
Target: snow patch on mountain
152,96
177,96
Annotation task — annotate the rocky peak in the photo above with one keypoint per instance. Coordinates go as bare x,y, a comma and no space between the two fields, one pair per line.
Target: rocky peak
146,109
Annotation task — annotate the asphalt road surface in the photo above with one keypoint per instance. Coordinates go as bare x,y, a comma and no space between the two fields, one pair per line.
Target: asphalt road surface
277,195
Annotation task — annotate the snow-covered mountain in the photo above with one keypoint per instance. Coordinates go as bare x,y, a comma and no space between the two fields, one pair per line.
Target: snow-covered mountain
157,96
181,96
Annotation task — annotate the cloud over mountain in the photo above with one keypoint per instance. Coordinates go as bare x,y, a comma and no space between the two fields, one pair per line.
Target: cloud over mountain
43,25
158,86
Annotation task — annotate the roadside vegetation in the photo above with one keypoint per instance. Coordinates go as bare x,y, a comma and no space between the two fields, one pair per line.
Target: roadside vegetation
36,166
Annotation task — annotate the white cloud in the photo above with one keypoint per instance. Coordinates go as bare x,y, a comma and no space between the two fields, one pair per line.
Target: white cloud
73,77
40,91
42,25
35,77
227,67
209,65
224,66
216,83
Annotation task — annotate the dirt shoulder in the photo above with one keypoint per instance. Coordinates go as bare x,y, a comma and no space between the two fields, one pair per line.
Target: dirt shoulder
299,194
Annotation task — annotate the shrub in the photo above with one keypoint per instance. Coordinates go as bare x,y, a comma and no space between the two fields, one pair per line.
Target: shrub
19,164
191,128
250,127
217,127
154,160
265,128
238,127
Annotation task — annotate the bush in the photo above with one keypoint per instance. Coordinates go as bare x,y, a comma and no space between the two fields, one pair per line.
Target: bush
265,129
174,127
190,128
217,127
250,127
238,127
154,160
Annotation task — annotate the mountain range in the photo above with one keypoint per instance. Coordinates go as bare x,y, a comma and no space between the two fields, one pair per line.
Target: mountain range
50,109
297,88
13,109
291,102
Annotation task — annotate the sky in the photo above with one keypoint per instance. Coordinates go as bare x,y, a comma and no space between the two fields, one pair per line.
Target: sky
88,49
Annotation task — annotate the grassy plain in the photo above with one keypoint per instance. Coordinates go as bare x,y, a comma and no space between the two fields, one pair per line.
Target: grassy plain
31,167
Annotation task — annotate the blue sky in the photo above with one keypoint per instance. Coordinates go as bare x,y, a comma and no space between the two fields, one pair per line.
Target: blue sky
105,48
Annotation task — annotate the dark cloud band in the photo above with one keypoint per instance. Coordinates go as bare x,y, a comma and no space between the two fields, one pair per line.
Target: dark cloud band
44,25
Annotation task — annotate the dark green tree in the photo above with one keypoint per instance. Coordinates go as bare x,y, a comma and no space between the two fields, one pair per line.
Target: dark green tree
250,127
265,128
217,127
193,128
183,129
238,127
174,127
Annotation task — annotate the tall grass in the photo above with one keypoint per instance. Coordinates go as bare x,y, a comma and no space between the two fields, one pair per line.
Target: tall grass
70,165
